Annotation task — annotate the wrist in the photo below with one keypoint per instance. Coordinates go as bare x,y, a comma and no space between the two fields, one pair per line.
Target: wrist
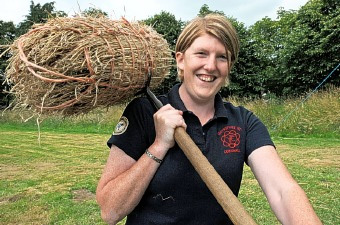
158,150
153,157
160,147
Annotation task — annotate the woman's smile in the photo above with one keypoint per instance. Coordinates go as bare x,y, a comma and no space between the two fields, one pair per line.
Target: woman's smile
206,78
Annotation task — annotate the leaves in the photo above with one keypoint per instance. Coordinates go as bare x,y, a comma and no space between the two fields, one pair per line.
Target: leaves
94,12
38,14
167,25
7,35
283,57
311,51
8,32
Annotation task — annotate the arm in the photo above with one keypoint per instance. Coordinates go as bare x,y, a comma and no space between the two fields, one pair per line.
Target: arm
286,198
123,184
124,180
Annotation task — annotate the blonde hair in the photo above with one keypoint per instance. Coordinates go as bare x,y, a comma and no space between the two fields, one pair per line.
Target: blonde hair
214,24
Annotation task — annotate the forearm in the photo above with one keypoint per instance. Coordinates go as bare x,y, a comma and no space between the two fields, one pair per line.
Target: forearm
293,207
119,196
287,199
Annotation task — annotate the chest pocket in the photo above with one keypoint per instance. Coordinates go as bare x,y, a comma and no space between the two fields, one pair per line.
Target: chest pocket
225,150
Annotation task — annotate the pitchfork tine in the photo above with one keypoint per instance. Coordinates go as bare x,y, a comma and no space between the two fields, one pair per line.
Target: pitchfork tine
158,104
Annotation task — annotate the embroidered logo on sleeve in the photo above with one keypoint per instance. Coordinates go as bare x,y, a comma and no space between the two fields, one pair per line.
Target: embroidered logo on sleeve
230,138
121,126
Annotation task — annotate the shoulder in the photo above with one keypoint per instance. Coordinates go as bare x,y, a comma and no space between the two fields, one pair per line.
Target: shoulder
138,101
243,115
143,105
239,111
231,106
139,104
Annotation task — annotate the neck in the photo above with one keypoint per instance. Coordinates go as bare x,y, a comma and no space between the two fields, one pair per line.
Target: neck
203,113
204,110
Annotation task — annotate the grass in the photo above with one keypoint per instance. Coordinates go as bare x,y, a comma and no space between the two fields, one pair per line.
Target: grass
314,163
54,182
100,121
318,116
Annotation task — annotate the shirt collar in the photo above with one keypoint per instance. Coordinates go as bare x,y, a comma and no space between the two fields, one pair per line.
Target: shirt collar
176,102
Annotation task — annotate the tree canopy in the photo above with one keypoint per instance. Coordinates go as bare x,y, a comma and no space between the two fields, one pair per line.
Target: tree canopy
167,25
283,57
38,14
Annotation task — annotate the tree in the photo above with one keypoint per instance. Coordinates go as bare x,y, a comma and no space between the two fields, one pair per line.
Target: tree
245,77
7,35
311,51
38,14
94,12
166,24
266,41
204,10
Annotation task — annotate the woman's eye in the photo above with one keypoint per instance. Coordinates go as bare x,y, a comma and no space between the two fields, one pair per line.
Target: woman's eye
224,57
200,53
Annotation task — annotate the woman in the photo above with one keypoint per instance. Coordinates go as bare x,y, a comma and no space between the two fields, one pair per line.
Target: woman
148,178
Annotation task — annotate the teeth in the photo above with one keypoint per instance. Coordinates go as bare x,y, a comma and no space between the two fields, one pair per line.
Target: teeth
206,78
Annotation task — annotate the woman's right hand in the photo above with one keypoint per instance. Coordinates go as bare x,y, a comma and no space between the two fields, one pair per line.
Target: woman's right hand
166,120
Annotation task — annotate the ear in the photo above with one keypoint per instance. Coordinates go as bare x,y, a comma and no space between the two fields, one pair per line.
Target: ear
180,60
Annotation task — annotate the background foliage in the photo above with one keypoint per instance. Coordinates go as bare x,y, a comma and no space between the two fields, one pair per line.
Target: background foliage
279,58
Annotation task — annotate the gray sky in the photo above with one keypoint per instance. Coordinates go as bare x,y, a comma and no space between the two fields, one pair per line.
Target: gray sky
246,11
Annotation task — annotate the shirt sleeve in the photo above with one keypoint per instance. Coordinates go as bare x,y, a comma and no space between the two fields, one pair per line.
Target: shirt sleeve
257,134
135,129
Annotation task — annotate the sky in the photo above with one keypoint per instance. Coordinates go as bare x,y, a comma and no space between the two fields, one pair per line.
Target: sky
246,11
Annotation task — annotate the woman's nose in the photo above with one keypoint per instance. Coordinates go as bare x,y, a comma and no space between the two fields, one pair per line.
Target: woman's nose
210,64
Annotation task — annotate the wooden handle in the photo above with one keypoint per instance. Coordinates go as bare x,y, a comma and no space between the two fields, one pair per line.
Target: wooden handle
225,197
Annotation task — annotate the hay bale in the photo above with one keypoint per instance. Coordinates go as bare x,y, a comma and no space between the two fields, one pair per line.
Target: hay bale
73,65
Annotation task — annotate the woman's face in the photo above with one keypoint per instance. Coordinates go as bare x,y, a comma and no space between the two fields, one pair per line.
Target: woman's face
205,68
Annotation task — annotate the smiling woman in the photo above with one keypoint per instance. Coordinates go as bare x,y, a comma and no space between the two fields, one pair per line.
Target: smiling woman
133,182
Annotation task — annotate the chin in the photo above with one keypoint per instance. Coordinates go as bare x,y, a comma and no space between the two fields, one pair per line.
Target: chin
205,94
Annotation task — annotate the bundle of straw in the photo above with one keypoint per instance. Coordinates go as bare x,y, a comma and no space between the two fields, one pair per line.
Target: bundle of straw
73,65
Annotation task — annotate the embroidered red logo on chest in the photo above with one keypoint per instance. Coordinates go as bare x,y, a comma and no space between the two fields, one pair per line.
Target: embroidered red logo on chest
230,138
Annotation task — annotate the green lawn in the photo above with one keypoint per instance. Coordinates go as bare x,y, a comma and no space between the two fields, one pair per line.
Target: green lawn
55,182
314,163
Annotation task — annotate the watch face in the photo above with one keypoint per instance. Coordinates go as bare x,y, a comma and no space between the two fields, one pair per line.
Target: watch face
121,126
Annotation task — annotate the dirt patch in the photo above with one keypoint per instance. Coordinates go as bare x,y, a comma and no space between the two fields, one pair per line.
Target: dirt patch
45,166
83,195
19,196
12,198
312,157
10,171
31,170
323,161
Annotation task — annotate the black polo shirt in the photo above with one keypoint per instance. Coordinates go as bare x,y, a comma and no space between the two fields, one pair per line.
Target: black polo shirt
176,194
